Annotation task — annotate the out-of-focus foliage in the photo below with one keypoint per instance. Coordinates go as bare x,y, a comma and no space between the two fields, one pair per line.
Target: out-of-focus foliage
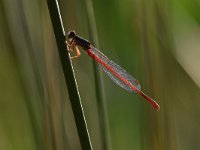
156,41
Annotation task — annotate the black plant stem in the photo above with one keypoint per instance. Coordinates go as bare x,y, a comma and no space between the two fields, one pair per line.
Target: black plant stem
69,75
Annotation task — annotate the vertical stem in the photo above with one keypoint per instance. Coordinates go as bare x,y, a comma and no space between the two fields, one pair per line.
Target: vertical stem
69,75
98,77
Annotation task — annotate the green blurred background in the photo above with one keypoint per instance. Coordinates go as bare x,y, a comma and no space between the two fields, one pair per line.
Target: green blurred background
157,41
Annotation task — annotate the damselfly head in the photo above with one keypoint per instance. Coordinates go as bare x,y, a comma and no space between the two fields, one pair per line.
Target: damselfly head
71,34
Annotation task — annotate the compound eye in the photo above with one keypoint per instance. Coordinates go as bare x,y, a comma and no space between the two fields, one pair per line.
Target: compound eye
71,34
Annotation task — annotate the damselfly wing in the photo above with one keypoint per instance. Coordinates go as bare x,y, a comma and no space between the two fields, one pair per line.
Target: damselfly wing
117,69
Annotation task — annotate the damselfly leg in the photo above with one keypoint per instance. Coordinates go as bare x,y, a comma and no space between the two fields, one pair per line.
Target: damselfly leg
72,47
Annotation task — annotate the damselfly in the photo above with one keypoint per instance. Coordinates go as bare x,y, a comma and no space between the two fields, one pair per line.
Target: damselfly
114,71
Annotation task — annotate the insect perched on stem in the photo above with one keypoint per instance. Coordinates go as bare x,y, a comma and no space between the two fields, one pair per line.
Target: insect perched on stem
114,71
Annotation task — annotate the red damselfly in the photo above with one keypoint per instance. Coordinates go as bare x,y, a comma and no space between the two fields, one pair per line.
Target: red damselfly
114,71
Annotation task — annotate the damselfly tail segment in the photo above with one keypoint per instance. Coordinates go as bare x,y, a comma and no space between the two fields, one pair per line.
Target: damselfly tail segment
114,71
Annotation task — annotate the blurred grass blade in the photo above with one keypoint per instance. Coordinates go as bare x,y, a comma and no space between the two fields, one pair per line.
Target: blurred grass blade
98,78
69,75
